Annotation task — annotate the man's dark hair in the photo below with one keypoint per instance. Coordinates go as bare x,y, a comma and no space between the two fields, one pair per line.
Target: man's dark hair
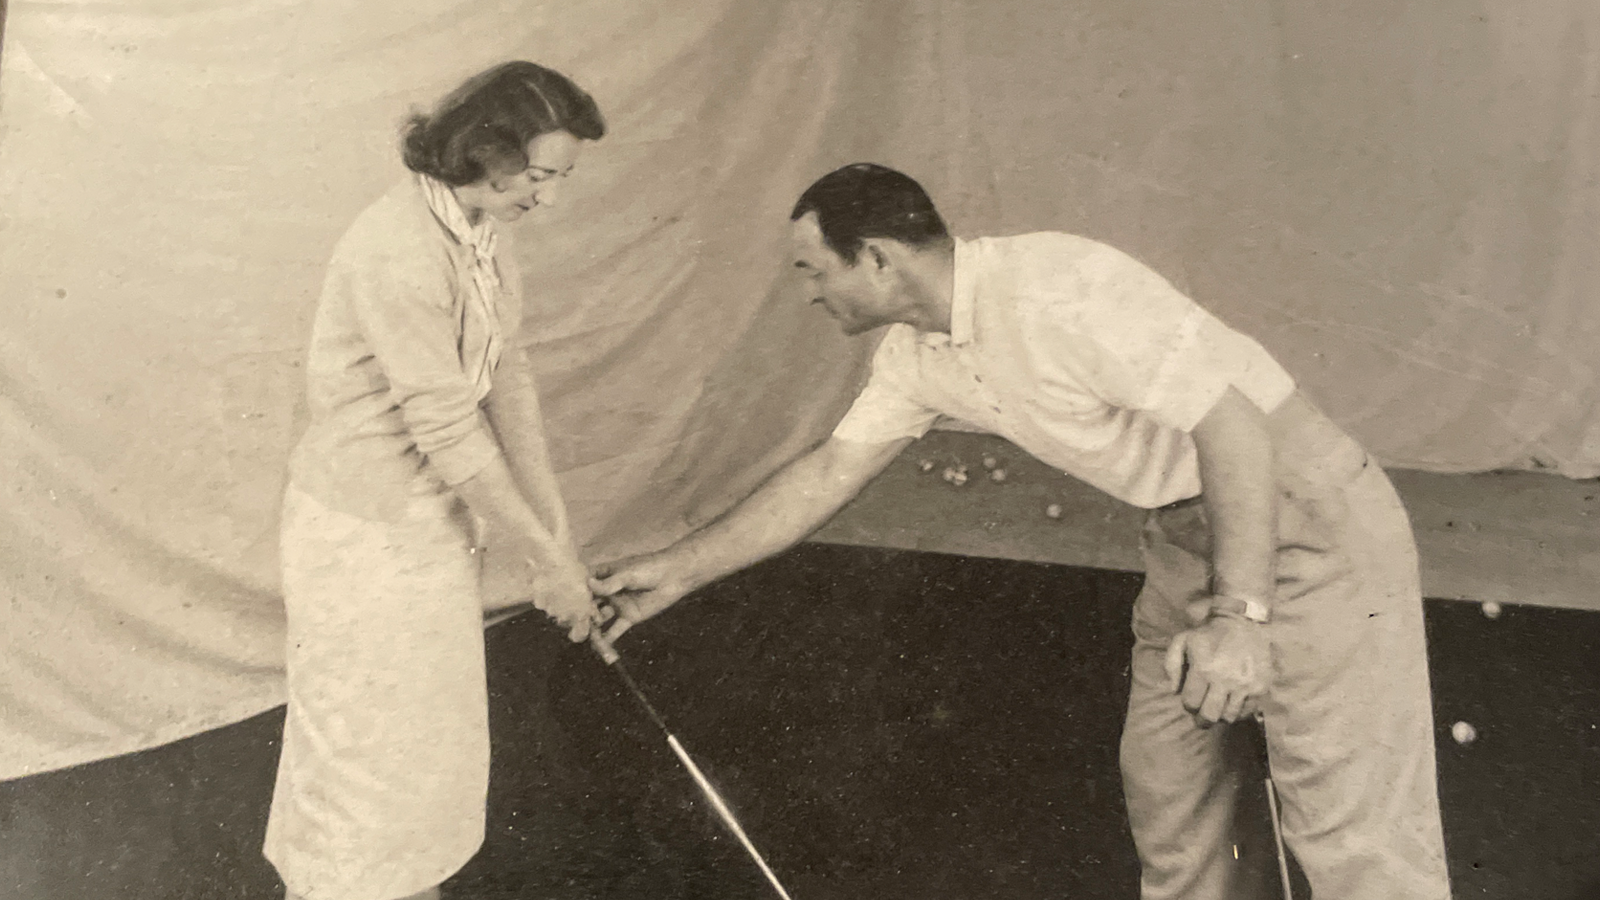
864,201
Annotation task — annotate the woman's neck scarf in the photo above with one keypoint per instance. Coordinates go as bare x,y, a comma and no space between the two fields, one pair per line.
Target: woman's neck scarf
480,339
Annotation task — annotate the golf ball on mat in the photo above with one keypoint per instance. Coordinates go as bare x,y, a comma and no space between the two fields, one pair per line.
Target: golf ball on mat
998,475
990,462
1463,732
1053,510
956,476
1491,609
926,465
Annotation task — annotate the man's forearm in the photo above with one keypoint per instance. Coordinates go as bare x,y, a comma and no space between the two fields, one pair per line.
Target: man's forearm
1240,494
789,506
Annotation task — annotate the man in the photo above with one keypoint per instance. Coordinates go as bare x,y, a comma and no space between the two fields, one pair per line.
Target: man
1281,569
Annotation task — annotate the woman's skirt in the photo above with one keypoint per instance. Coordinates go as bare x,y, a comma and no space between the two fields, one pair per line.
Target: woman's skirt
382,781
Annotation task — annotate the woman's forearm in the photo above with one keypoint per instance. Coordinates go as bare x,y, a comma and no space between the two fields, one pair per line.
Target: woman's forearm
518,425
494,495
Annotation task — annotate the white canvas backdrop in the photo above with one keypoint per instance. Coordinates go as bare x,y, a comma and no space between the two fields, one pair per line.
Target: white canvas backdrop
1401,204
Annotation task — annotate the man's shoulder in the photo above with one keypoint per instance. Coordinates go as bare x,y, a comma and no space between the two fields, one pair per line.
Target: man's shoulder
1042,273
1050,263
1043,248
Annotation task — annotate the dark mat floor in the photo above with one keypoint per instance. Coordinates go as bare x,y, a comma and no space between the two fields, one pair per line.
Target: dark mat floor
887,725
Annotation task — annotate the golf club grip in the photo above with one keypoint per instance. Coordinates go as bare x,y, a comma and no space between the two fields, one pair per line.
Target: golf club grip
608,654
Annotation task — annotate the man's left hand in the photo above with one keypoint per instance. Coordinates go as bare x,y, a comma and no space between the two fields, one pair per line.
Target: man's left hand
1229,663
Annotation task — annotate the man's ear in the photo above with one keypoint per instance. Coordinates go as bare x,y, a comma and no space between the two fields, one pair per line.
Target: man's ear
880,260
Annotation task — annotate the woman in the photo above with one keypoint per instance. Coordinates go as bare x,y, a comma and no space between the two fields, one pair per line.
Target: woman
425,433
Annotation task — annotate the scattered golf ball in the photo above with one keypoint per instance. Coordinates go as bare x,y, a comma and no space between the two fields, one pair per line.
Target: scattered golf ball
956,475
926,465
1463,732
1491,609
1053,510
990,462
997,475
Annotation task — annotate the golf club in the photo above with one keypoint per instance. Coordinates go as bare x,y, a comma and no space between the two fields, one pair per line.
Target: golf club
613,660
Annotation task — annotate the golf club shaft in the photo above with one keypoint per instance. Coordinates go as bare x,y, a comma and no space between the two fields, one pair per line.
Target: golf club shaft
1277,835
725,813
613,660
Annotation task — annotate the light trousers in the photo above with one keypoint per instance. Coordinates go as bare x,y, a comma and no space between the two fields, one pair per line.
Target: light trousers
1348,716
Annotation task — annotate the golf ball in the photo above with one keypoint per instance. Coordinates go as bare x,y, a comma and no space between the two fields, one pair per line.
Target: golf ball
1053,510
998,475
990,462
1491,609
956,476
1463,732
926,465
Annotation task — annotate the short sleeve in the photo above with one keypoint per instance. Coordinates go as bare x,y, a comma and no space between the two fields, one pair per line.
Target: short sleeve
887,410
406,310
1141,344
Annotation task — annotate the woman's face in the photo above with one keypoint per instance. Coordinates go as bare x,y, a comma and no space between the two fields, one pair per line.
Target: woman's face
507,195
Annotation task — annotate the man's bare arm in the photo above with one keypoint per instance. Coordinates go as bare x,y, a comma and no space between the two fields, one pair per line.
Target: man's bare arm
789,506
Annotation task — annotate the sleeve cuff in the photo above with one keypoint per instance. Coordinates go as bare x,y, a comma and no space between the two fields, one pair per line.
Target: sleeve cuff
865,436
865,428
1209,359
462,460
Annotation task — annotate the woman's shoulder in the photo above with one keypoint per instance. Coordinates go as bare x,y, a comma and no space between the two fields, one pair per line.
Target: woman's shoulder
396,227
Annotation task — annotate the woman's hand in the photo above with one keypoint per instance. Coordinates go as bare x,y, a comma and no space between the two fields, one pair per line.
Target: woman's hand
562,593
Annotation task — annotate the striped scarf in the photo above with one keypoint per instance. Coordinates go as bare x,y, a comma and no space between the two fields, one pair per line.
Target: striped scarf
480,339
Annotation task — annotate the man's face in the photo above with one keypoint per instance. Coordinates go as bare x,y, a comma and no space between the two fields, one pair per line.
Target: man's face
858,296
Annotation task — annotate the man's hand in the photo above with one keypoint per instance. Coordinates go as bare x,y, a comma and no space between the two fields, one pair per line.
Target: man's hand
1229,663
638,588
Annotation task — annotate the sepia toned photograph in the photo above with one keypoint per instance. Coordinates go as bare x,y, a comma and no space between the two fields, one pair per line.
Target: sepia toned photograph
799,450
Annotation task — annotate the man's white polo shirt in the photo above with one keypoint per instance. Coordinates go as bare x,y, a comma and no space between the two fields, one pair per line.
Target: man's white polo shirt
1076,352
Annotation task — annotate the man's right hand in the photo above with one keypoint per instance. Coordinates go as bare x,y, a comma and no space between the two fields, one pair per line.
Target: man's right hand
638,588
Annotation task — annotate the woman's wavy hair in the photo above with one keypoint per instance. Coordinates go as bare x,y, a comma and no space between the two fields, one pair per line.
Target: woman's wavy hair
483,127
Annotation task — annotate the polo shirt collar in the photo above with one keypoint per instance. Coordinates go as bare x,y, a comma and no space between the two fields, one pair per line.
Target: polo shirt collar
963,296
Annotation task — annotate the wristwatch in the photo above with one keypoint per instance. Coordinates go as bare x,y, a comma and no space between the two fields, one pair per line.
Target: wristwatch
1248,607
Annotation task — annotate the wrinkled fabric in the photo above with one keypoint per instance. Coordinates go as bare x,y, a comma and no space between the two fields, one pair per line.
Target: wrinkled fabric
1075,353
1347,714
403,352
385,765
482,339
1399,203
